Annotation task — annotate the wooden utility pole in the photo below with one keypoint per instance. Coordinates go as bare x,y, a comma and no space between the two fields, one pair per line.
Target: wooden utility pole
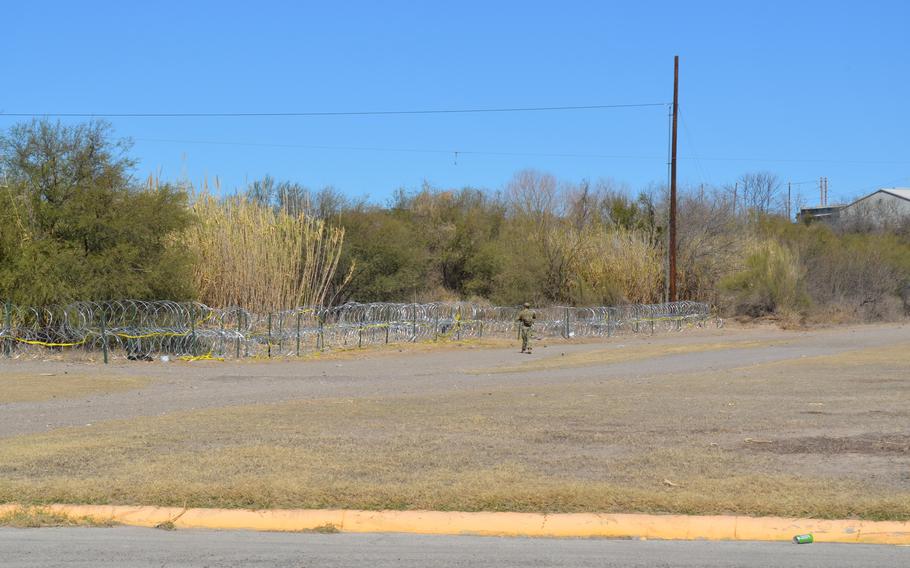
672,245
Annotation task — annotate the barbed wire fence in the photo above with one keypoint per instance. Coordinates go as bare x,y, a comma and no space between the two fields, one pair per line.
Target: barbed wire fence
144,330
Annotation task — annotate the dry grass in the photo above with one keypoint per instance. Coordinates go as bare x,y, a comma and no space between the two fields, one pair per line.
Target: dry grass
37,517
33,388
688,443
259,258
623,353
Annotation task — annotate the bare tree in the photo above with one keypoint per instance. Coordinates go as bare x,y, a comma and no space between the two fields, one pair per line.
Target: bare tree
759,192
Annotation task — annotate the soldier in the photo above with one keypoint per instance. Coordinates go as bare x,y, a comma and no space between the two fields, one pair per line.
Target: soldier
525,320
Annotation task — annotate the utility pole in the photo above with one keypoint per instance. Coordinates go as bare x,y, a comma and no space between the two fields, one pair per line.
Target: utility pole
789,218
735,190
672,245
821,192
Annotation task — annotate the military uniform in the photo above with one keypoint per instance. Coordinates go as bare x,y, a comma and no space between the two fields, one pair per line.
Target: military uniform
525,320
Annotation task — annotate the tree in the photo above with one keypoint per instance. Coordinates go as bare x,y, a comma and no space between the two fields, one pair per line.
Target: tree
75,226
760,192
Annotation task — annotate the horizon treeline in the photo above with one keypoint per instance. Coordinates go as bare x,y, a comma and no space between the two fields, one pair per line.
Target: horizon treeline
76,225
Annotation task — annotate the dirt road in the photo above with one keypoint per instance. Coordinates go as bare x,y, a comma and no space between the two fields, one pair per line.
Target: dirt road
756,421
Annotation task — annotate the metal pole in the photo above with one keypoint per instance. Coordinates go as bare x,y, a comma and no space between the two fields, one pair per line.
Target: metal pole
237,341
298,333
735,191
104,334
457,325
388,321
567,322
436,326
414,322
321,337
8,313
270,335
788,202
672,245
193,330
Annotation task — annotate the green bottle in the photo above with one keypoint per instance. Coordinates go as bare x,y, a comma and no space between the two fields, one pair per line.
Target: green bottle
803,539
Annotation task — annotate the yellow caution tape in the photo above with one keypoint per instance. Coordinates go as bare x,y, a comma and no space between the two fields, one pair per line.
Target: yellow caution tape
46,344
154,334
207,357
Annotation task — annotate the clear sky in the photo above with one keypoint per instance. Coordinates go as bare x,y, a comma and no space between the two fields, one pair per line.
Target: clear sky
802,89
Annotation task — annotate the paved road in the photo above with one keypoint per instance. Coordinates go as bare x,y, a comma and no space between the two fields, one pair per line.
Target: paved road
141,548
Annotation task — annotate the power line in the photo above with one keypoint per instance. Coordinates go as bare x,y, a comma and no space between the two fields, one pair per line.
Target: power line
691,140
405,150
498,153
314,113
806,160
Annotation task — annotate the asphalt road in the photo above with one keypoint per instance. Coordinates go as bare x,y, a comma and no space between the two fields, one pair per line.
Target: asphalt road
141,548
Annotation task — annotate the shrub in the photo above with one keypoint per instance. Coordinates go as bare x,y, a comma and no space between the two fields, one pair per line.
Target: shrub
771,282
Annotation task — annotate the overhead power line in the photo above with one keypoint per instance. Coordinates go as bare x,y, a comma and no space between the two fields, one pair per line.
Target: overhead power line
499,153
316,113
406,150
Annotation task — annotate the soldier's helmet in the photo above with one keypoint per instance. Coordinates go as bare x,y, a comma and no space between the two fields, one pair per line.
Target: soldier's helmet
527,305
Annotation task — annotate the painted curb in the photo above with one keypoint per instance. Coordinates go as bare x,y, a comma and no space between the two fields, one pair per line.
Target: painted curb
669,527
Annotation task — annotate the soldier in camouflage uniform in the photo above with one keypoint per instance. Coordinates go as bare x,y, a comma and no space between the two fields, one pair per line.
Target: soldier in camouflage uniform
525,320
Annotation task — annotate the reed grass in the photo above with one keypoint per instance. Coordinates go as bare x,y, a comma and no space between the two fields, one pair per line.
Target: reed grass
260,258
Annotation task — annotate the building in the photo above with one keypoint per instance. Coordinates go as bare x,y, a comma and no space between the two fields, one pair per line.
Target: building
886,206
823,213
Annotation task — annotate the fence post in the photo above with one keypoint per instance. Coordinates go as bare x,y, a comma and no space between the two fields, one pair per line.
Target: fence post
436,325
193,330
320,337
360,333
480,317
567,322
414,322
104,334
237,341
609,322
652,326
388,323
298,333
269,337
458,325
8,314
223,346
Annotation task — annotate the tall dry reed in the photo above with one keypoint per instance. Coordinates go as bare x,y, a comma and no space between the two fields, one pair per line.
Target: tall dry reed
260,258
623,260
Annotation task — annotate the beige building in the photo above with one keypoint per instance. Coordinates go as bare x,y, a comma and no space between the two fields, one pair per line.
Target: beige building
883,207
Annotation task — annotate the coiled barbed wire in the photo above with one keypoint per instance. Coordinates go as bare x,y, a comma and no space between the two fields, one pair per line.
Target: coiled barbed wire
143,330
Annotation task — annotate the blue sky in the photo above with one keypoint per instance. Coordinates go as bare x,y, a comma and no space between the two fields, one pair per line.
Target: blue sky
802,89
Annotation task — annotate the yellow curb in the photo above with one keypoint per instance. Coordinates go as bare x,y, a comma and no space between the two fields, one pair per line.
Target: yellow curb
669,527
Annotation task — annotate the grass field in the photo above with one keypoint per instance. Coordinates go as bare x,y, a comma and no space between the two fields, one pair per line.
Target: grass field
819,436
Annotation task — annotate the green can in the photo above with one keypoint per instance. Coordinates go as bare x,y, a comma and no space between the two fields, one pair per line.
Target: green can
803,539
